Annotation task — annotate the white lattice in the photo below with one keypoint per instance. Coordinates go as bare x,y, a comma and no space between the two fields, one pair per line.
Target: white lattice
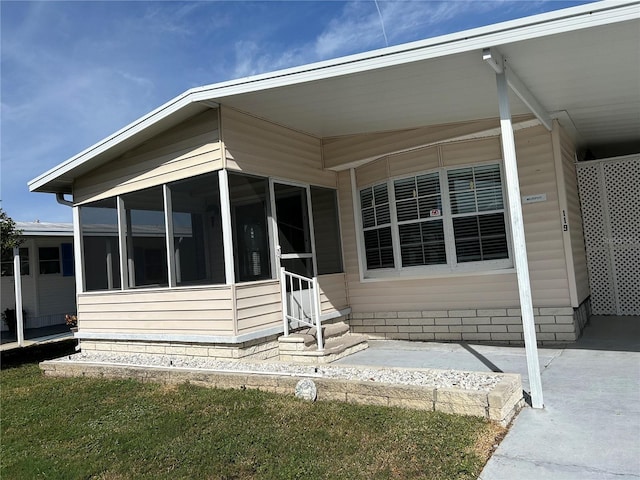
610,202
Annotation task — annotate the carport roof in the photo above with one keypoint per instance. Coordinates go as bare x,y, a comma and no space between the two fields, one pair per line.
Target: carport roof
582,64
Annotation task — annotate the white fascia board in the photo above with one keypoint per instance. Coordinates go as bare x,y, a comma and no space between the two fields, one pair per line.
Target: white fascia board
551,23
135,127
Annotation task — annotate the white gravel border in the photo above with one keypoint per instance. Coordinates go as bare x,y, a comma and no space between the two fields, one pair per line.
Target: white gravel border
476,381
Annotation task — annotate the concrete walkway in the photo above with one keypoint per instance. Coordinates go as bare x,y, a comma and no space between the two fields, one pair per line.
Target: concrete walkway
35,336
590,426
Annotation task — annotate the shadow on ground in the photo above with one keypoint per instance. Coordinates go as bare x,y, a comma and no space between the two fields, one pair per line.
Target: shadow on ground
37,353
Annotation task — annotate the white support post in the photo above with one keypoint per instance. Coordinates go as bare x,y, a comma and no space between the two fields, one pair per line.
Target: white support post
356,222
78,252
17,278
496,61
519,244
168,221
227,236
283,298
124,227
316,310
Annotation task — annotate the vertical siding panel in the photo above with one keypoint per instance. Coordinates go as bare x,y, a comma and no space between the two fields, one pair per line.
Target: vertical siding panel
263,148
574,217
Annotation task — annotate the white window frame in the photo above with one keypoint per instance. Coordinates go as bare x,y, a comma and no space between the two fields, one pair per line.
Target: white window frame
452,267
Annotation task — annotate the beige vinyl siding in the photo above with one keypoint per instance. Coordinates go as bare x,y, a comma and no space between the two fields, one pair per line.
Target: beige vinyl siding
258,306
542,220
189,149
574,217
414,161
194,311
486,290
333,293
471,151
351,150
262,148
373,172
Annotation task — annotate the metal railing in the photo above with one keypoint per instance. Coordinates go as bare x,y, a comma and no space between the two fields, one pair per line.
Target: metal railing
300,302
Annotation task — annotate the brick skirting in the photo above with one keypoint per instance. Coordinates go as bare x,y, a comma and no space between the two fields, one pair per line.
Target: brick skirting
501,325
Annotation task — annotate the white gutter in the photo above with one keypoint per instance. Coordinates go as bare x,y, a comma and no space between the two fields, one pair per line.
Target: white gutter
551,23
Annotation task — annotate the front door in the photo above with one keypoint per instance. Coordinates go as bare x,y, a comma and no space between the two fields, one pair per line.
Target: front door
294,236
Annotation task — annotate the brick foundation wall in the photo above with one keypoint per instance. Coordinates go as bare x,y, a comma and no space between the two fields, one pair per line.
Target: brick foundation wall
259,349
501,325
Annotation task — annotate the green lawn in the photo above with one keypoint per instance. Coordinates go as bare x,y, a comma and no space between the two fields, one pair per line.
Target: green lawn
81,428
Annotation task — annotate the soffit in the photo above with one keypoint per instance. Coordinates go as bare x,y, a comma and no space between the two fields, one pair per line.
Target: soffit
593,75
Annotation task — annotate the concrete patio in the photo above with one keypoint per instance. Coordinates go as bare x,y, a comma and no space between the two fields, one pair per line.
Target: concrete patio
590,426
35,336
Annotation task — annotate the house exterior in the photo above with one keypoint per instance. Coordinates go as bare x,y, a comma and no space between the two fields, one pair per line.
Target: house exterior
385,176
47,272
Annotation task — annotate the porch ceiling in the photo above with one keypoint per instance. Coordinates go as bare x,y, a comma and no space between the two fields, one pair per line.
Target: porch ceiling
588,77
582,64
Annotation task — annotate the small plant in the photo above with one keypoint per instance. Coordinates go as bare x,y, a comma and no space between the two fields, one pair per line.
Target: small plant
72,320
10,318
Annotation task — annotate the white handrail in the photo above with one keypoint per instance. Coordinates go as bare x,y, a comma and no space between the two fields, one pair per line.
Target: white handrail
308,305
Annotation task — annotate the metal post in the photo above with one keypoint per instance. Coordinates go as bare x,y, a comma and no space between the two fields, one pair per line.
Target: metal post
17,278
227,234
519,244
283,293
316,309
172,261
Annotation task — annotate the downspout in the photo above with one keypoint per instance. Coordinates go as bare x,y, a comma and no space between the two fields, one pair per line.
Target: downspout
63,201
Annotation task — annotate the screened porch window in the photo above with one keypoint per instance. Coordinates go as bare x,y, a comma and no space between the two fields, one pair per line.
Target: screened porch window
101,255
326,229
440,221
145,232
197,230
249,200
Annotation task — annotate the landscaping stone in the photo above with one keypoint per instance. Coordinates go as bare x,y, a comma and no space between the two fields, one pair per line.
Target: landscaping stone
495,396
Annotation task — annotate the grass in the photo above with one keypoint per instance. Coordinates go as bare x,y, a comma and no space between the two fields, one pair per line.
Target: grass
82,428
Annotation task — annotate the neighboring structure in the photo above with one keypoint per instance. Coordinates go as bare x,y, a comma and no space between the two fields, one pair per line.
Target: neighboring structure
386,175
47,271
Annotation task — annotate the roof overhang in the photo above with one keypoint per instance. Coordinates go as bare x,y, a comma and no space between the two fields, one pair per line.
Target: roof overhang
45,229
582,64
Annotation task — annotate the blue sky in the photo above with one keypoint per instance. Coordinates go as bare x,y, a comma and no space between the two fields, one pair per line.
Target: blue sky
74,72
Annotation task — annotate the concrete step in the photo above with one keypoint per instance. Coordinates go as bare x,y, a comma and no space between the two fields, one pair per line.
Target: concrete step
303,348
305,338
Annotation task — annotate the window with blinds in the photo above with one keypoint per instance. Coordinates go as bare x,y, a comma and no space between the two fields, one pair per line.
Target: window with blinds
376,224
441,220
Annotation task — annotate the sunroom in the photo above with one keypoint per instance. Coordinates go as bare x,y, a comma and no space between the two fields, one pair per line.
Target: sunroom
177,250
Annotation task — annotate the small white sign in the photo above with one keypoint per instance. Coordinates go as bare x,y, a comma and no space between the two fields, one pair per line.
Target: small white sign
435,213
539,197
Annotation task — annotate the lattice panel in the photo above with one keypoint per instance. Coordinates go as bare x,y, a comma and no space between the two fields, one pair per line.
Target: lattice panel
622,183
626,265
610,203
603,300
591,204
